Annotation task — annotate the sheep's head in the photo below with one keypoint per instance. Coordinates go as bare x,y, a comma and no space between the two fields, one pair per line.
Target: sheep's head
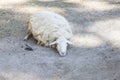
61,45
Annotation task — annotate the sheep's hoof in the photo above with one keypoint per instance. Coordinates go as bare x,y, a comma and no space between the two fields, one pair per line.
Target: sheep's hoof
42,44
47,45
25,38
53,46
38,42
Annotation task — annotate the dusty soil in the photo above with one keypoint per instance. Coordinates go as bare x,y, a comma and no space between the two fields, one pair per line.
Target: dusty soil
94,55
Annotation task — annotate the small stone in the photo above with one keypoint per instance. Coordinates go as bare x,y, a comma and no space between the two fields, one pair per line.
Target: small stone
28,48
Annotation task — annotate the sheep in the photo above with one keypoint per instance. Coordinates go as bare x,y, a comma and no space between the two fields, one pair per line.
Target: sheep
50,29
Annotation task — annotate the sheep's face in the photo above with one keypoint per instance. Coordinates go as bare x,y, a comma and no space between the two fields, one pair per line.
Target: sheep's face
62,48
61,45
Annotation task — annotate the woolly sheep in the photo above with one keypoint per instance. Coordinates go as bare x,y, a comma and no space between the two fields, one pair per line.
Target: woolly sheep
50,29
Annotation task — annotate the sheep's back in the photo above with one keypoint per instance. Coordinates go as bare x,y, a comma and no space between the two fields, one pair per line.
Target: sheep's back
50,24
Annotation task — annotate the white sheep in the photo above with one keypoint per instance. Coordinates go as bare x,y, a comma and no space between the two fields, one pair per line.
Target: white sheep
50,28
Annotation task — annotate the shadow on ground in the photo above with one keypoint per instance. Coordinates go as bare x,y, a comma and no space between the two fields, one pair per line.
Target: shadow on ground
55,3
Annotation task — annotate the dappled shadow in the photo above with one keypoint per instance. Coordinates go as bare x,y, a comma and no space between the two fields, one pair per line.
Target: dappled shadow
77,14
115,2
83,17
54,3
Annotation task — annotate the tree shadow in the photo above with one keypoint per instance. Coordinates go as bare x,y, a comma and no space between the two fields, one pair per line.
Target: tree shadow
55,3
83,17
115,2
77,14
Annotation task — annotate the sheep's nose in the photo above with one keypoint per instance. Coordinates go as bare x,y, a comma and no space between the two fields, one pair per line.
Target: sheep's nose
62,54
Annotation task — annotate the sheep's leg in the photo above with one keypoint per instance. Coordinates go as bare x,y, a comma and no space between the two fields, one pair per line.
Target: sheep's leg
38,42
28,31
53,46
27,36
41,43
47,45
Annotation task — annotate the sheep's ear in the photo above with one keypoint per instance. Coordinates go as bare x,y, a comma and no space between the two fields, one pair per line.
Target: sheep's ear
55,42
69,42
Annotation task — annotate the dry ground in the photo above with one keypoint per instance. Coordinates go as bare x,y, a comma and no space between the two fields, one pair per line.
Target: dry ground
95,54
